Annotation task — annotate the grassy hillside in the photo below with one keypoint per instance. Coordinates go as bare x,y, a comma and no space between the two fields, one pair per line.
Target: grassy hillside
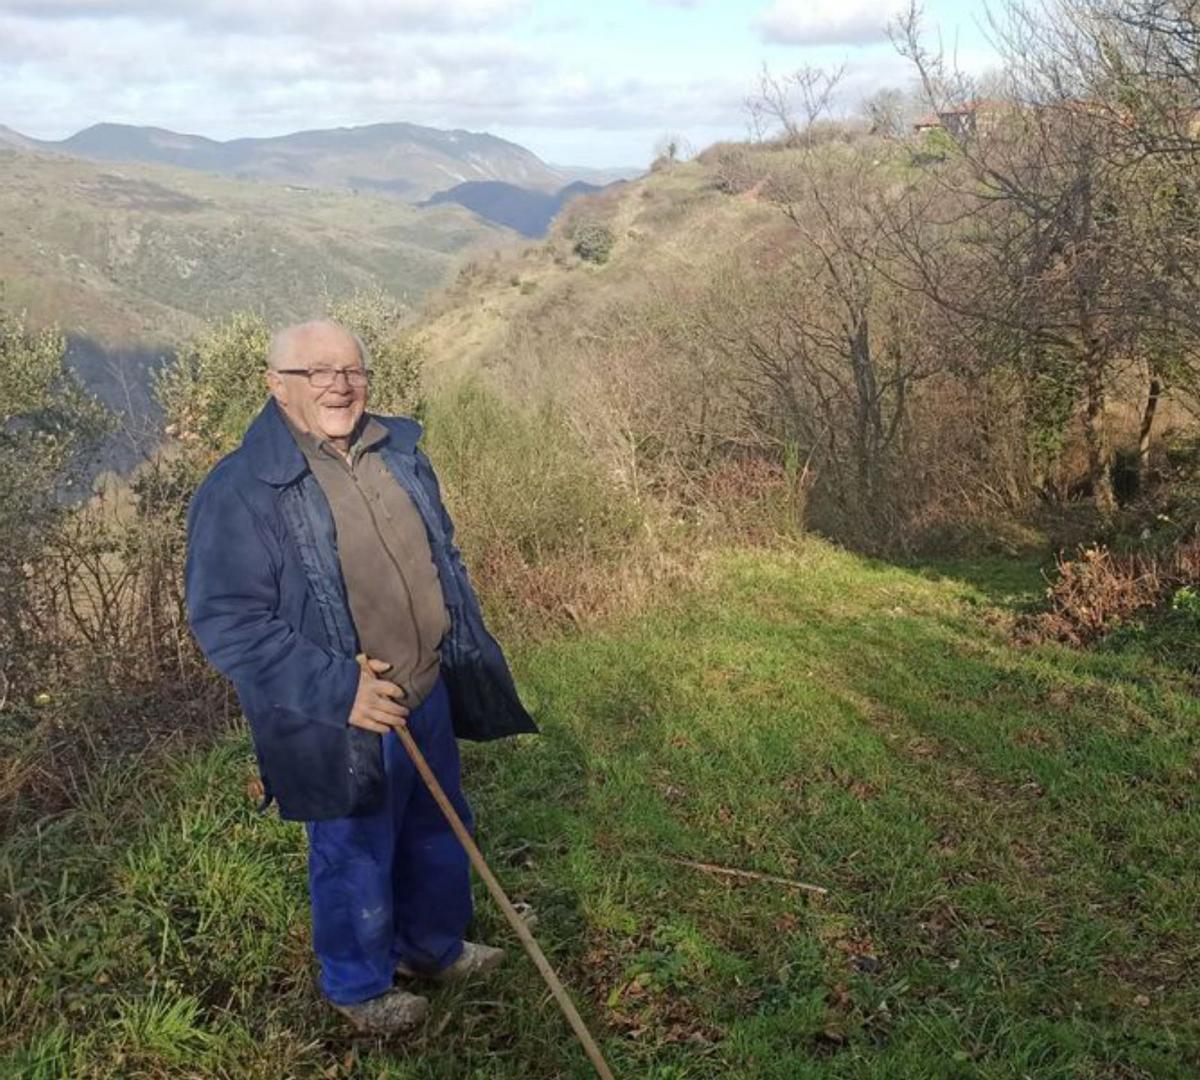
1008,838
672,229
715,333
148,252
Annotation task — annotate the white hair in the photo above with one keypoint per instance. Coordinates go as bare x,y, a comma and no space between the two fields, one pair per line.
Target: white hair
282,341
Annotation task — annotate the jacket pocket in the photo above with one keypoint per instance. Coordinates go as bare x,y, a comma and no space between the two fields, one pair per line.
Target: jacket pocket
484,703
318,771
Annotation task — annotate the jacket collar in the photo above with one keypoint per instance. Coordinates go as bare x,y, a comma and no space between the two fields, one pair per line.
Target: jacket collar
276,459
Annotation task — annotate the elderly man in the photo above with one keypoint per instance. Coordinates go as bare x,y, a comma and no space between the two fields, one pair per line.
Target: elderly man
323,580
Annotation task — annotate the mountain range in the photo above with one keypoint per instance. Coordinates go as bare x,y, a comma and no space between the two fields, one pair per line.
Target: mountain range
407,161
127,232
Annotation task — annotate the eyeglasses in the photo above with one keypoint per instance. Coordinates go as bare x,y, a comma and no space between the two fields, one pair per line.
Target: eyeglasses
322,378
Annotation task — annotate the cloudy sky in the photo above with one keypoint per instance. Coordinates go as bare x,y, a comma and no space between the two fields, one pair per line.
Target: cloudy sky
587,83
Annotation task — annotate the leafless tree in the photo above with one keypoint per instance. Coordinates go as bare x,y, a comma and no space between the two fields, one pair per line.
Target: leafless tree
887,112
670,148
789,106
944,85
828,348
1057,211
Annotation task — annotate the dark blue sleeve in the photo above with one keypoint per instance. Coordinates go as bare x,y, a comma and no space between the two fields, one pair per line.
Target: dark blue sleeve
233,563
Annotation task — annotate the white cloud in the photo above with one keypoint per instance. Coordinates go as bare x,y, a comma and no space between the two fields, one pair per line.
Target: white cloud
221,68
275,16
61,75
57,9
826,22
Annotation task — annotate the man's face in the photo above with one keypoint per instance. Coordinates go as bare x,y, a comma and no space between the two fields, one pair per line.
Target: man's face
330,413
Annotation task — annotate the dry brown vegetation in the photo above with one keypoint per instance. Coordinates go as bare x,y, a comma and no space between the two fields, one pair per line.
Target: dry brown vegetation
910,343
1098,590
712,340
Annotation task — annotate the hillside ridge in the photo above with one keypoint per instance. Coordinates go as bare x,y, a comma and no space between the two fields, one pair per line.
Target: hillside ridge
410,161
528,212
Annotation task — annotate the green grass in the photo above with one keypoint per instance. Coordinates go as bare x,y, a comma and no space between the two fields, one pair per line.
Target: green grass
1009,837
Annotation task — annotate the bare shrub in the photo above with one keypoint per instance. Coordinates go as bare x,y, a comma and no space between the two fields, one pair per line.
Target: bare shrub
48,423
790,107
755,500
1098,590
735,167
533,600
827,348
118,668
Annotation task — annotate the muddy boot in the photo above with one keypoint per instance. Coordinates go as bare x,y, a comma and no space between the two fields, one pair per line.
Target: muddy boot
475,960
391,1013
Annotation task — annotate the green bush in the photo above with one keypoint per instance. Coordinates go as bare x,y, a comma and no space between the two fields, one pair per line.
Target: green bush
520,481
217,383
1186,604
593,241
47,423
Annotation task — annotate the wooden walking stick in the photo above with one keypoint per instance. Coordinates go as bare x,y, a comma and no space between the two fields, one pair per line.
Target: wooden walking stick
498,894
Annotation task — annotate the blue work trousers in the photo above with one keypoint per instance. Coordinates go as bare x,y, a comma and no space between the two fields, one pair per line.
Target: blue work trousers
395,884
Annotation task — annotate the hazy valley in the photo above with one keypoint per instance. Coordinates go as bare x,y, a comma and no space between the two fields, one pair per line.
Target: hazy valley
133,239
148,252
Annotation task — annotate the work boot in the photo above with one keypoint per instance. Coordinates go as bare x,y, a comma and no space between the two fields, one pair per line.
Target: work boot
392,1012
475,960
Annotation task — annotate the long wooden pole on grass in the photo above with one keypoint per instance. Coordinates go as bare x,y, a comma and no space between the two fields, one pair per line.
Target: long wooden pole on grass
498,894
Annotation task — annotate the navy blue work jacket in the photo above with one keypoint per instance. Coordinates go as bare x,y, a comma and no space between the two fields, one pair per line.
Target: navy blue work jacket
267,603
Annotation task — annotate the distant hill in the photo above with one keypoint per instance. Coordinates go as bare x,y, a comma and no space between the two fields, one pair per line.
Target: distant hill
404,160
14,139
145,252
121,142
528,212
